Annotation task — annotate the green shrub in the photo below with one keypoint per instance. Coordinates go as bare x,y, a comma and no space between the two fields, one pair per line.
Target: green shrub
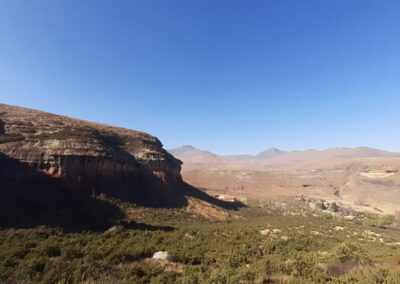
206,252
350,252
373,220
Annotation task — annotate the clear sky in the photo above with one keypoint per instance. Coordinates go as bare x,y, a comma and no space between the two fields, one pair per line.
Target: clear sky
223,75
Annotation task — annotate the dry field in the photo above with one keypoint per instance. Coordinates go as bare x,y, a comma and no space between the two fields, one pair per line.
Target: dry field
369,184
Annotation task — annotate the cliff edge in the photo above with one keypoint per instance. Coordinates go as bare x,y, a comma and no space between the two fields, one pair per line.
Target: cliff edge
40,150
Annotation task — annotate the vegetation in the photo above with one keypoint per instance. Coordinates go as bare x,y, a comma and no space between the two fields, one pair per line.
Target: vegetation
375,220
261,245
397,218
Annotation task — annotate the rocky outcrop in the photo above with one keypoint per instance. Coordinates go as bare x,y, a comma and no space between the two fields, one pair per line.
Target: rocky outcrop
82,155
324,205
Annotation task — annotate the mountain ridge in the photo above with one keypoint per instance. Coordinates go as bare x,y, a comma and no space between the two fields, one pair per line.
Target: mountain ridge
194,157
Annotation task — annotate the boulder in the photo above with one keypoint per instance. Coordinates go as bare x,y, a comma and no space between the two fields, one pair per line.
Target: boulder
320,205
162,255
334,207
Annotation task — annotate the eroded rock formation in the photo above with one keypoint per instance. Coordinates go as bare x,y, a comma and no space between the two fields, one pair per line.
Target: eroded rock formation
81,155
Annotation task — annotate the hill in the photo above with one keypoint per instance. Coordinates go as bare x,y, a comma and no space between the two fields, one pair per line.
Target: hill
274,157
363,178
54,168
196,158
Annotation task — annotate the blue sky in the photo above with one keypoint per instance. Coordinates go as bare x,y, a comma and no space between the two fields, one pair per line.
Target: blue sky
223,75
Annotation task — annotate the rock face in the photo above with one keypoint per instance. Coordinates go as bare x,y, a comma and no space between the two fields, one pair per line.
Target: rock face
81,155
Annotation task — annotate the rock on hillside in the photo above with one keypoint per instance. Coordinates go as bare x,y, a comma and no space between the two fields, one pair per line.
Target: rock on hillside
81,156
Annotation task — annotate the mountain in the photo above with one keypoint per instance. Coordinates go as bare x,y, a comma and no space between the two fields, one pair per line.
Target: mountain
182,150
271,152
320,157
194,158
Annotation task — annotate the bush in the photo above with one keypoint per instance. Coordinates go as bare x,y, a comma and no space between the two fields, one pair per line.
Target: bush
377,221
205,252
351,252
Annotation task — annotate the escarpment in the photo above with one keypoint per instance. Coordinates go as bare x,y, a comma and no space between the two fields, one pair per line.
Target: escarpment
81,156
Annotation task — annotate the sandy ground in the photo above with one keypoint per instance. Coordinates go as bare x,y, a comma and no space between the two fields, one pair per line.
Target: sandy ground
366,185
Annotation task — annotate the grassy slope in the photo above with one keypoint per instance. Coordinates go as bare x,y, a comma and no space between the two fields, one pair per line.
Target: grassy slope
293,250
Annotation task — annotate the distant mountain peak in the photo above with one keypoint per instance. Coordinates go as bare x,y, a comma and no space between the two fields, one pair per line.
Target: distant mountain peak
270,152
188,147
183,149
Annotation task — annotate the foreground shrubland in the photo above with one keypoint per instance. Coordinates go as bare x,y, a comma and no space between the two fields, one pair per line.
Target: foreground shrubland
260,245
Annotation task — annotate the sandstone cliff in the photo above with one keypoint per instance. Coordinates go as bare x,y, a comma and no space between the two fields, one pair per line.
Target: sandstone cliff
81,156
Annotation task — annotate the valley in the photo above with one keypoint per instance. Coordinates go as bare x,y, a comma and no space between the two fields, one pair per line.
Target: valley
364,179
83,202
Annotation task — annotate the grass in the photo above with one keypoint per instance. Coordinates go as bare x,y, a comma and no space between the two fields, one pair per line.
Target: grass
295,247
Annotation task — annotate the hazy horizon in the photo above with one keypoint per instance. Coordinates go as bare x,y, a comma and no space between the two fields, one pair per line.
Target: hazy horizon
242,153
222,76
283,150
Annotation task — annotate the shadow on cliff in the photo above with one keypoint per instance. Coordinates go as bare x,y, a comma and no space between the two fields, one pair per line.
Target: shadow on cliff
2,129
145,188
30,198
188,190
150,191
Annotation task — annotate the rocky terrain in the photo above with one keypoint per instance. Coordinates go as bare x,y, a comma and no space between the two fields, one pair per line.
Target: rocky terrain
363,179
82,156
60,146
52,165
